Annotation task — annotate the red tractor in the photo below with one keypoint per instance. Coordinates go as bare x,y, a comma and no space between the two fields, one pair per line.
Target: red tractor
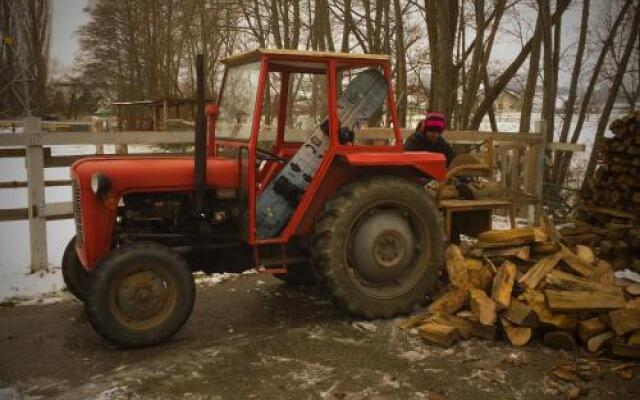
363,228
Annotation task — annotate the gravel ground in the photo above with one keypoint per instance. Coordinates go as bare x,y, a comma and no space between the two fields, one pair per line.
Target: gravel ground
251,336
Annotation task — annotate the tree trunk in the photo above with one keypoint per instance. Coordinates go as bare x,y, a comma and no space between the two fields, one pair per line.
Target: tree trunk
492,93
573,88
401,65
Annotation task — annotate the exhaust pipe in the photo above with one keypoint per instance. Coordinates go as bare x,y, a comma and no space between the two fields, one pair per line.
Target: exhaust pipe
200,141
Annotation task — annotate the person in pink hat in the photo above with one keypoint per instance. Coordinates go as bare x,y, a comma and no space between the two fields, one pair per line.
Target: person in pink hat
428,137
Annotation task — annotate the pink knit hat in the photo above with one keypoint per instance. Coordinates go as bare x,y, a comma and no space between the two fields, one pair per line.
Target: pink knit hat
434,122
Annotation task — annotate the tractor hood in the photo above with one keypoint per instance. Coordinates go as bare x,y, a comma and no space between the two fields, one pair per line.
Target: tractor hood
154,173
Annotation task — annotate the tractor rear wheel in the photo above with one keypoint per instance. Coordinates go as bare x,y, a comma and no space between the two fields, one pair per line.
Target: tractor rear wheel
76,278
378,246
142,295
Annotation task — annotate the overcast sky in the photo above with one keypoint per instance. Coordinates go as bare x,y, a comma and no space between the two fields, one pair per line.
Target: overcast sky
68,15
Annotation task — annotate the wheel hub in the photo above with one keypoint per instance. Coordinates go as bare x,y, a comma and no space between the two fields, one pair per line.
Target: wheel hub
382,247
142,295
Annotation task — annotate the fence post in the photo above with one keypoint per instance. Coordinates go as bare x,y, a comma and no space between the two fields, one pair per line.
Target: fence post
540,171
34,157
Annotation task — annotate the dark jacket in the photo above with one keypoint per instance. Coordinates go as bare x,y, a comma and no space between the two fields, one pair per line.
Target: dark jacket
418,142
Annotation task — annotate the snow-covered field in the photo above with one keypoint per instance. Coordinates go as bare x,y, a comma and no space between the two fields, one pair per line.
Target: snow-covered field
15,279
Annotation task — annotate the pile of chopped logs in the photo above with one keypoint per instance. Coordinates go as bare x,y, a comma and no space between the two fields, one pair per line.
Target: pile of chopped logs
527,282
611,198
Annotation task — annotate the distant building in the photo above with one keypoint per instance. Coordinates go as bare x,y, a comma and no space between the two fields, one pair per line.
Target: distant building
508,101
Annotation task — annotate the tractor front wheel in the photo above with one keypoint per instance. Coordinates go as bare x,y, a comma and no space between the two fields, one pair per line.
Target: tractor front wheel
378,246
76,278
142,295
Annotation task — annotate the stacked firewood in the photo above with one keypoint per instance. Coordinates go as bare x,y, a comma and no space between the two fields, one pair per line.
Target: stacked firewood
526,282
611,198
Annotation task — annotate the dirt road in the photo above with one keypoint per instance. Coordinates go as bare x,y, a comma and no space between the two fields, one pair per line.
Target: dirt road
254,337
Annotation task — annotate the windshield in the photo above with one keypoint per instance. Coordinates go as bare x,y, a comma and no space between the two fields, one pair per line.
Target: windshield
238,101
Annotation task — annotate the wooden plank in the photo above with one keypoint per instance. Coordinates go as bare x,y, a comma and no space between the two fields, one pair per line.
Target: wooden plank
13,214
126,137
503,285
562,146
19,184
58,209
583,301
11,153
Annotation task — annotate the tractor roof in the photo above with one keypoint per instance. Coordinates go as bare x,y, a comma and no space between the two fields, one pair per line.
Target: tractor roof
303,58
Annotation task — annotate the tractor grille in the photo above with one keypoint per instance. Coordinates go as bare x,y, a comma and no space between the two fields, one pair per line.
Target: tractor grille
77,212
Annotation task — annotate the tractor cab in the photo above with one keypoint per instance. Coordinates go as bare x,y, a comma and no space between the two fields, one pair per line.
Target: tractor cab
298,171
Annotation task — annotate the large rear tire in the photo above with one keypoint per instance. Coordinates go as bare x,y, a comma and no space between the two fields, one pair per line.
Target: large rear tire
142,295
76,278
378,246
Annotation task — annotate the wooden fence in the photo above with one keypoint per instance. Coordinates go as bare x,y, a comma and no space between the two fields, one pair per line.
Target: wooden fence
518,160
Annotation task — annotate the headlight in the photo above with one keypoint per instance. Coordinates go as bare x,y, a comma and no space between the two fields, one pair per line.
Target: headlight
100,184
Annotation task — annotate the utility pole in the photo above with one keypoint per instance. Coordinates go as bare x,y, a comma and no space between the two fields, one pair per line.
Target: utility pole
16,72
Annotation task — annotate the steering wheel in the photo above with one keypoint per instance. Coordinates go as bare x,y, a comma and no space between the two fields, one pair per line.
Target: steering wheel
269,156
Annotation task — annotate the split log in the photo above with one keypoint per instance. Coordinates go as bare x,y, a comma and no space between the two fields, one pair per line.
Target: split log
624,321
456,268
633,304
450,302
540,235
521,314
503,285
466,327
518,336
482,307
603,273
480,274
633,289
545,248
565,281
590,328
575,263
623,350
437,333
585,254
595,343
634,339
537,273
535,300
521,252
412,322
583,301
